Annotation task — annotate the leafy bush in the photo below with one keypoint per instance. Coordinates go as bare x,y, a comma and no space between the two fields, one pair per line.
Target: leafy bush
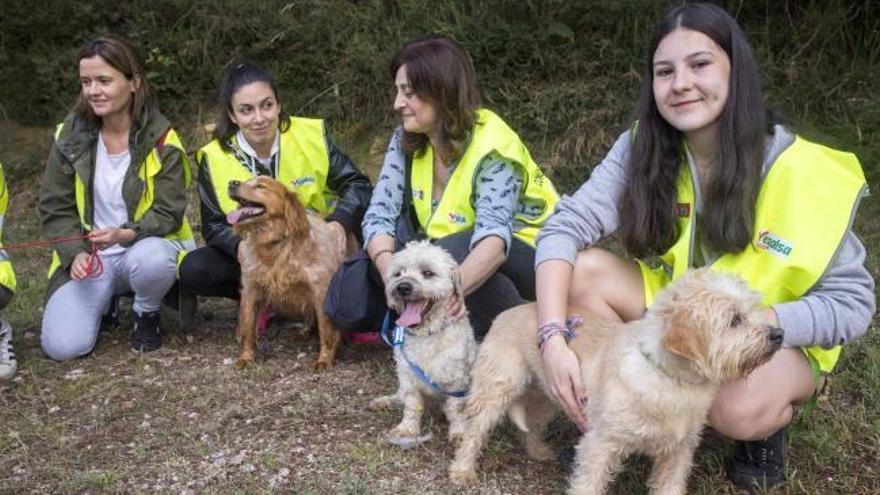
563,73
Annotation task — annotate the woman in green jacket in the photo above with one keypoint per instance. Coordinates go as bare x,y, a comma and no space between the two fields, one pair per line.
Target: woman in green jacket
116,175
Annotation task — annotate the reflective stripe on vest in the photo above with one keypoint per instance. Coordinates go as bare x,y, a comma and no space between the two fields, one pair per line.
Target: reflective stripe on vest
7,275
805,207
303,165
455,212
148,170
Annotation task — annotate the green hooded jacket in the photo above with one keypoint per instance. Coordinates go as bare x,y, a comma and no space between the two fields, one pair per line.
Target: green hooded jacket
73,153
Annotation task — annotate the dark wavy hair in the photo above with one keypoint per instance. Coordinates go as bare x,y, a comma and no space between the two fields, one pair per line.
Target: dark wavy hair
441,73
121,54
235,77
647,210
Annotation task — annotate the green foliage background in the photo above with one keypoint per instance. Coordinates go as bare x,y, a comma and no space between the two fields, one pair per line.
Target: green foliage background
563,73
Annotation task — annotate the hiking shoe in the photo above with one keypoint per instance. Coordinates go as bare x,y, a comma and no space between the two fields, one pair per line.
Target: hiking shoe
110,319
146,336
8,365
759,464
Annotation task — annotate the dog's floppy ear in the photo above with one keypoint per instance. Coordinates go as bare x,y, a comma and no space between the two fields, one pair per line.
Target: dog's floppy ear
682,339
295,219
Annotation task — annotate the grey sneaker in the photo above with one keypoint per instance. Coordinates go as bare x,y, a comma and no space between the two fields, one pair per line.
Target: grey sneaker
8,365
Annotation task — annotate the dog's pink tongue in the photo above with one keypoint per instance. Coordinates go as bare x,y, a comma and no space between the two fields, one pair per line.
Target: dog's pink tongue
235,215
412,314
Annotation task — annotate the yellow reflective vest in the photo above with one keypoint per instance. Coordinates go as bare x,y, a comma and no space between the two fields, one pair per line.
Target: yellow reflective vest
148,169
7,275
303,164
805,207
455,211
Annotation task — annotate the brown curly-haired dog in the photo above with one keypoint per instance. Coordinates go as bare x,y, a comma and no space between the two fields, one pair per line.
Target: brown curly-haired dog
288,256
650,382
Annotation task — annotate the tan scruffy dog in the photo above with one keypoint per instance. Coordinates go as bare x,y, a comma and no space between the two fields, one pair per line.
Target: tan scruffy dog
437,350
650,382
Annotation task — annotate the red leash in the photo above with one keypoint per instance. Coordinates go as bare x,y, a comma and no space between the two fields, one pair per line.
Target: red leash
94,268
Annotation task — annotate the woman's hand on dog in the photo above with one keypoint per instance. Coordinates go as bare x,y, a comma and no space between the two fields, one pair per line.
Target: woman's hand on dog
456,308
564,375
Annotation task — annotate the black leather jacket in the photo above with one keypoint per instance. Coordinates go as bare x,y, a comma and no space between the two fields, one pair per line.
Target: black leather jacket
343,177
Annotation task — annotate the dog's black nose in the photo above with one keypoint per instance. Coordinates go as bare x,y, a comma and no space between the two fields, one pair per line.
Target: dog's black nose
233,186
404,289
775,334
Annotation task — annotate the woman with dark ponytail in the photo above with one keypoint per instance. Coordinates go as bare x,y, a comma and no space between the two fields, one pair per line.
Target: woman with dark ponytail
255,136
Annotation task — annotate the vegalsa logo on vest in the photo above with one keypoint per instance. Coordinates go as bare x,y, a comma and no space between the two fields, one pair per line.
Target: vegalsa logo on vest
457,218
773,244
302,181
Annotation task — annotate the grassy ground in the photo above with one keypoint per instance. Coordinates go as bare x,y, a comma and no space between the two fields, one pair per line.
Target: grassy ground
182,420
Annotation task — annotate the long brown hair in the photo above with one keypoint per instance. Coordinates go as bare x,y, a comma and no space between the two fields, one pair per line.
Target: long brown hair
237,76
441,73
121,54
647,210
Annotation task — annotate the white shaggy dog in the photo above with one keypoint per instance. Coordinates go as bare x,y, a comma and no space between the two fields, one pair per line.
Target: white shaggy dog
649,382
437,350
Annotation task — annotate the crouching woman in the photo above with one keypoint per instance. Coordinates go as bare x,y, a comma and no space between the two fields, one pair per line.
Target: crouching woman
456,173
116,178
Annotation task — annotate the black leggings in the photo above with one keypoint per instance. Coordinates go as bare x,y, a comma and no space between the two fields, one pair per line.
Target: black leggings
207,271
510,286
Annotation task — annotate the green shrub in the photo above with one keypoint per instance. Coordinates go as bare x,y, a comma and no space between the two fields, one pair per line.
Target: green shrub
563,73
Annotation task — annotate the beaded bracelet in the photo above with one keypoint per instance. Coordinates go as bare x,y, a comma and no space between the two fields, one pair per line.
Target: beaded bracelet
552,328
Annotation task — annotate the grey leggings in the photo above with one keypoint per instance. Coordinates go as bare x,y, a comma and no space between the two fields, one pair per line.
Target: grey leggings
72,316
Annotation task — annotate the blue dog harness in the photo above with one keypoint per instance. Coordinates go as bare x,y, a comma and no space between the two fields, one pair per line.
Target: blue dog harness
397,340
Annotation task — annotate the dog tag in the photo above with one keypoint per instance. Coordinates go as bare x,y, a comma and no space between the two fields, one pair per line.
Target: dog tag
397,339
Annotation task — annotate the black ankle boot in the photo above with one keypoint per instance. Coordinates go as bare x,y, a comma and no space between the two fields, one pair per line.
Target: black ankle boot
146,336
759,464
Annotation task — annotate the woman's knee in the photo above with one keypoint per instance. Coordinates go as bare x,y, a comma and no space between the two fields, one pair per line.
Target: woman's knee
747,418
59,343
193,271
594,270
151,261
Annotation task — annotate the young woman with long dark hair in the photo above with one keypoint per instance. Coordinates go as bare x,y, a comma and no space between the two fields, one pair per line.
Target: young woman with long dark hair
705,178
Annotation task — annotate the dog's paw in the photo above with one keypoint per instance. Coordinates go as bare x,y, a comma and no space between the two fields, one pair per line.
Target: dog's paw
456,433
322,365
462,476
244,363
383,403
406,441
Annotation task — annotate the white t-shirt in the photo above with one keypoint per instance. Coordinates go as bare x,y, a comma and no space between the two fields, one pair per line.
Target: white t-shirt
109,206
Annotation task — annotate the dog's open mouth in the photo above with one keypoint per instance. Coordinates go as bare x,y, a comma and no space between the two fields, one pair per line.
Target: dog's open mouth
411,315
246,210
